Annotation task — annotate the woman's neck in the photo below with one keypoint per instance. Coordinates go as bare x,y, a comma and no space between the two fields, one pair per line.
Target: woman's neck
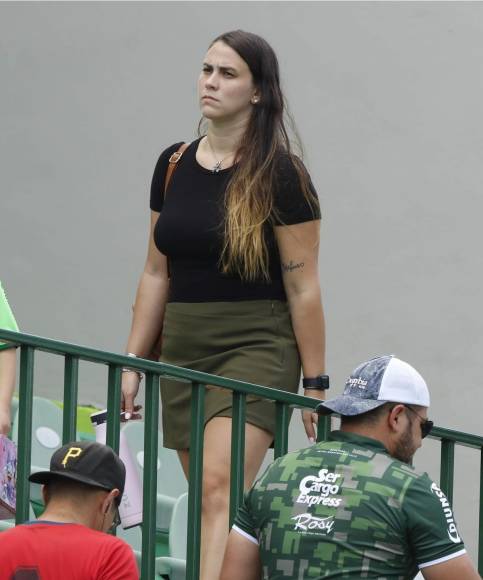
225,136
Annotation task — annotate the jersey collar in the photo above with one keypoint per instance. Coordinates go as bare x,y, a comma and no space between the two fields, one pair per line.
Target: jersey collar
355,439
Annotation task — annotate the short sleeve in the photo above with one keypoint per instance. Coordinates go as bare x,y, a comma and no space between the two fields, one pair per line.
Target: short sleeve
159,176
432,530
291,204
119,562
247,521
244,523
7,319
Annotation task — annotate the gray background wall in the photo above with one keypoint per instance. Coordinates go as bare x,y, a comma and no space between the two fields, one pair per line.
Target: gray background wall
388,98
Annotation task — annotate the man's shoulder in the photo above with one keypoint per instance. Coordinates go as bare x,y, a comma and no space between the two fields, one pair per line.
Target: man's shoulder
293,460
117,556
370,451
76,532
423,487
371,464
391,472
9,534
107,540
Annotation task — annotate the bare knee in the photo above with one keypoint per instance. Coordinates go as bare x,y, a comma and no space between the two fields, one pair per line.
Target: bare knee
216,490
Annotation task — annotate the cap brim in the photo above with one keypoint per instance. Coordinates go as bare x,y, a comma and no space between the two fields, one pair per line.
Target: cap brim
348,406
45,477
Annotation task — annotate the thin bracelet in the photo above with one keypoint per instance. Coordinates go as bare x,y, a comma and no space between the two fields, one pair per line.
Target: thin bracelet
128,370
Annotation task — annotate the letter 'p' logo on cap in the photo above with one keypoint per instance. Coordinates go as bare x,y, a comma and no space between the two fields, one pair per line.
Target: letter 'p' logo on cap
71,454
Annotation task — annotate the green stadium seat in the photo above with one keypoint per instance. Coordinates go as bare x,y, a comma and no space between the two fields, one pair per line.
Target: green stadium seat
174,566
7,524
85,428
46,438
171,482
134,538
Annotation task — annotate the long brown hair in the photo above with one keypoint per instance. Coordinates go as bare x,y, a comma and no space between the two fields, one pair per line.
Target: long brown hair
249,197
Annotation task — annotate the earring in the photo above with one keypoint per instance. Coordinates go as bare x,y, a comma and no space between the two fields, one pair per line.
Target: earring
255,100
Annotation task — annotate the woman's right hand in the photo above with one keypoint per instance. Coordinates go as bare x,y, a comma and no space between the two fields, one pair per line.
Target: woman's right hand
129,390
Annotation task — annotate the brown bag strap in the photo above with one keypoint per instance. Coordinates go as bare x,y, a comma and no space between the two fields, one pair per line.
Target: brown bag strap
173,163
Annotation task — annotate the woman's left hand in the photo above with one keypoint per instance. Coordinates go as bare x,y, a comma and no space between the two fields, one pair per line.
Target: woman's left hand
309,418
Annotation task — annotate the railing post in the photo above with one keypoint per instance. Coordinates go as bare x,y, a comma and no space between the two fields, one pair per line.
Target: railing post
150,469
447,468
25,407
480,528
73,353
323,428
113,407
71,376
195,481
281,430
237,465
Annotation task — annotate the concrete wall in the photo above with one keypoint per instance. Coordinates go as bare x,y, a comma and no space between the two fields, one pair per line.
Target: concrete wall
388,98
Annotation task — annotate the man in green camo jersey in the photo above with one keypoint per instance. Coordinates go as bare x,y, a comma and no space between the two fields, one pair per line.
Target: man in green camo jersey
352,506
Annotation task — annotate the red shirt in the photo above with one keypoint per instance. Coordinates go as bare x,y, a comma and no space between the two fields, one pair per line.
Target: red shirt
51,551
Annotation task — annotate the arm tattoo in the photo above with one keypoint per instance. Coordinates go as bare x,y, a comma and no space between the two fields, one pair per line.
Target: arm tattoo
290,267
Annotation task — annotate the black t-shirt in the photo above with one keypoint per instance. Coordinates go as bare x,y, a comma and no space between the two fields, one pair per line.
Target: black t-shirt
190,229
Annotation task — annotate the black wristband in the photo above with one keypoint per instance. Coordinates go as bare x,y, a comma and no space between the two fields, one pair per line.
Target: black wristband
320,383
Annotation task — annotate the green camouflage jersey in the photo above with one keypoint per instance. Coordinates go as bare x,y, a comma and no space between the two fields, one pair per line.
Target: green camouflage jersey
7,320
345,509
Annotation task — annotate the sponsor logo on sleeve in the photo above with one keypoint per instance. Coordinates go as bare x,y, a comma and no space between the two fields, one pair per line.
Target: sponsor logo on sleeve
448,514
320,489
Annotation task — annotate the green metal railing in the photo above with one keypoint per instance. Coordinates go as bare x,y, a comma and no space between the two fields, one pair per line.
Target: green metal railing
153,370
449,439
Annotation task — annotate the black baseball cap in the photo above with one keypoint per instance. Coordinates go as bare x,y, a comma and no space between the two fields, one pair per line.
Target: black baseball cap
88,462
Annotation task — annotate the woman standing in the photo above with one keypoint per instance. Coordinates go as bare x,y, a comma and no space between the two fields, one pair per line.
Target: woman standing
239,227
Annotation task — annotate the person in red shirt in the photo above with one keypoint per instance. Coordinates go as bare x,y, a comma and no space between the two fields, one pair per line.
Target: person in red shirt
82,492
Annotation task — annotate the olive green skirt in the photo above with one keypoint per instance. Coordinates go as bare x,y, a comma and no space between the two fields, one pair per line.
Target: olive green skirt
252,341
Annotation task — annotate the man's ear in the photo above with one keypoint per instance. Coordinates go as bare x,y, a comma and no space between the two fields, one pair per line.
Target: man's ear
45,494
394,418
109,500
114,493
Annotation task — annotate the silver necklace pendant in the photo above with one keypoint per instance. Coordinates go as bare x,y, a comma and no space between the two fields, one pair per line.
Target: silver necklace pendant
217,167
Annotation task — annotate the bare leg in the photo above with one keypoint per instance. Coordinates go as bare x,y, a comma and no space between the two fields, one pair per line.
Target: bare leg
216,485
184,459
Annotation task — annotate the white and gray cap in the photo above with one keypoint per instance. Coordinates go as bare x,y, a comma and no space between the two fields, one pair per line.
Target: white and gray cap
380,380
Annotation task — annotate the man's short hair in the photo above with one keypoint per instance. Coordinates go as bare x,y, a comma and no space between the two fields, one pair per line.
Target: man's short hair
59,487
372,417
369,418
